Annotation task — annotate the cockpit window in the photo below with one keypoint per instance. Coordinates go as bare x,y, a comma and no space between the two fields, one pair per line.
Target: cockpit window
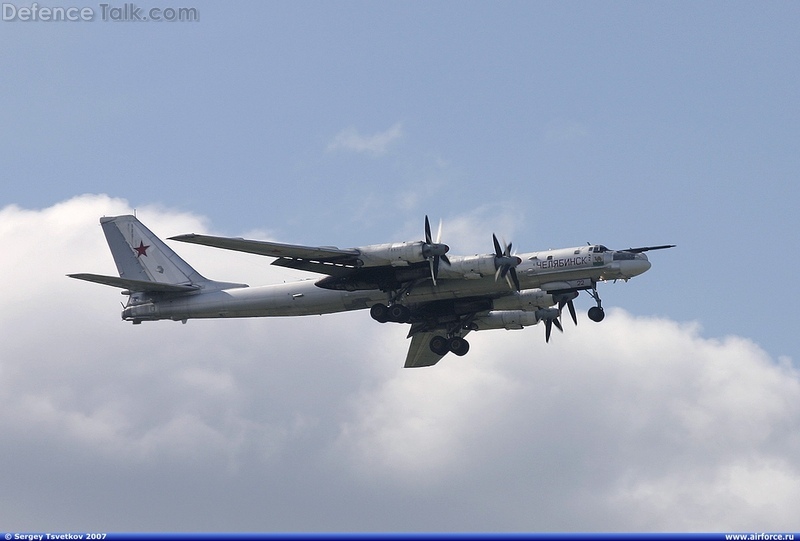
599,249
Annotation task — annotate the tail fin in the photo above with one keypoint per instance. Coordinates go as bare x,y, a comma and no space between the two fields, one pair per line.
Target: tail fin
145,263
140,255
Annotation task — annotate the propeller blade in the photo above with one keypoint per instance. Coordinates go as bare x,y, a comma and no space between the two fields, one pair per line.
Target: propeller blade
498,251
513,274
571,306
442,257
548,327
428,231
434,252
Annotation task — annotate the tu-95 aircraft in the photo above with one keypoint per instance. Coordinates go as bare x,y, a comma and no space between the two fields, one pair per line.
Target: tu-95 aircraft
442,297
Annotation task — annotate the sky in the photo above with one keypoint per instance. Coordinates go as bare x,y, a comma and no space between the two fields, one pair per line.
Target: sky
551,124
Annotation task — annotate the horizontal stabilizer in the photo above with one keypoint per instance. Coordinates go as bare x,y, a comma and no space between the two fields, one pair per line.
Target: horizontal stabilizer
134,285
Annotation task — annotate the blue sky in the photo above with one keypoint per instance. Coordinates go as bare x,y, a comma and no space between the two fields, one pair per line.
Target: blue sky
344,123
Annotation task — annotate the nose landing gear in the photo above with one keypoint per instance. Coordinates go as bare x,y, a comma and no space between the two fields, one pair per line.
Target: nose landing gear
596,313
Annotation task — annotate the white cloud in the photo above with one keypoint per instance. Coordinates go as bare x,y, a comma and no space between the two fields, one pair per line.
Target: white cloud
311,424
471,233
634,424
377,144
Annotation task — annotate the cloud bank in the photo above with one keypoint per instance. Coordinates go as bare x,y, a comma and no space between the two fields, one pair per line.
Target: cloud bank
311,424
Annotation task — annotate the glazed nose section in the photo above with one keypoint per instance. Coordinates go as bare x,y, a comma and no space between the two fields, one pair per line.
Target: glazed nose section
636,266
630,264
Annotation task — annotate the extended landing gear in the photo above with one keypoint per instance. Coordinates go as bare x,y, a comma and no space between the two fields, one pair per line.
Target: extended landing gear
596,313
396,313
441,345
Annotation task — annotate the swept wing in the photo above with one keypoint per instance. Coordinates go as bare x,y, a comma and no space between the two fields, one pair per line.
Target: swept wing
274,249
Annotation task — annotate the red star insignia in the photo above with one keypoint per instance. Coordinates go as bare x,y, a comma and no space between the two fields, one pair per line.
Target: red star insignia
141,250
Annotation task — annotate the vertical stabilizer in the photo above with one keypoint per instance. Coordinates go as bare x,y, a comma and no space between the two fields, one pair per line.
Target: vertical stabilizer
140,255
146,264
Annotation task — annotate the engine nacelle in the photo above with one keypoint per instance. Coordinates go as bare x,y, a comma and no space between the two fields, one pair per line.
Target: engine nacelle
469,267
506,319
547,313
528,300
398,254
513,319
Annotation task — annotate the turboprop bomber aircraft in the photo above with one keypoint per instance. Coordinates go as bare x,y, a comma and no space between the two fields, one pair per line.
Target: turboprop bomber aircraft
442,297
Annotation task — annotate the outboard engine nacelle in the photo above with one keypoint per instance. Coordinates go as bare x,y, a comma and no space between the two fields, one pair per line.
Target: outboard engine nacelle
506,319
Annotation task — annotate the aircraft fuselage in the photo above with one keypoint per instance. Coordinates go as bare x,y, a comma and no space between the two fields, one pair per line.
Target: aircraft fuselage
466,276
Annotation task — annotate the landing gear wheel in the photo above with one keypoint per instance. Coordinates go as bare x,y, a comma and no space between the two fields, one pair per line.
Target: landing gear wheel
379,312
458,345
596,314
438,345
399,313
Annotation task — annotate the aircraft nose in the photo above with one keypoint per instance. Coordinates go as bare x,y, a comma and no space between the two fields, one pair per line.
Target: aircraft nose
636,266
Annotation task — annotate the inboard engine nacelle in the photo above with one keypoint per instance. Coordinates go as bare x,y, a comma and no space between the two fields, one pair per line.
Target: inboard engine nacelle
528,300
399,254
471,266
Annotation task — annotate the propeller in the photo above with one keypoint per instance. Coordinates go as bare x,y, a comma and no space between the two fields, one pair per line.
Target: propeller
550,317
571,306
434,252
548,327
505,264
565,299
